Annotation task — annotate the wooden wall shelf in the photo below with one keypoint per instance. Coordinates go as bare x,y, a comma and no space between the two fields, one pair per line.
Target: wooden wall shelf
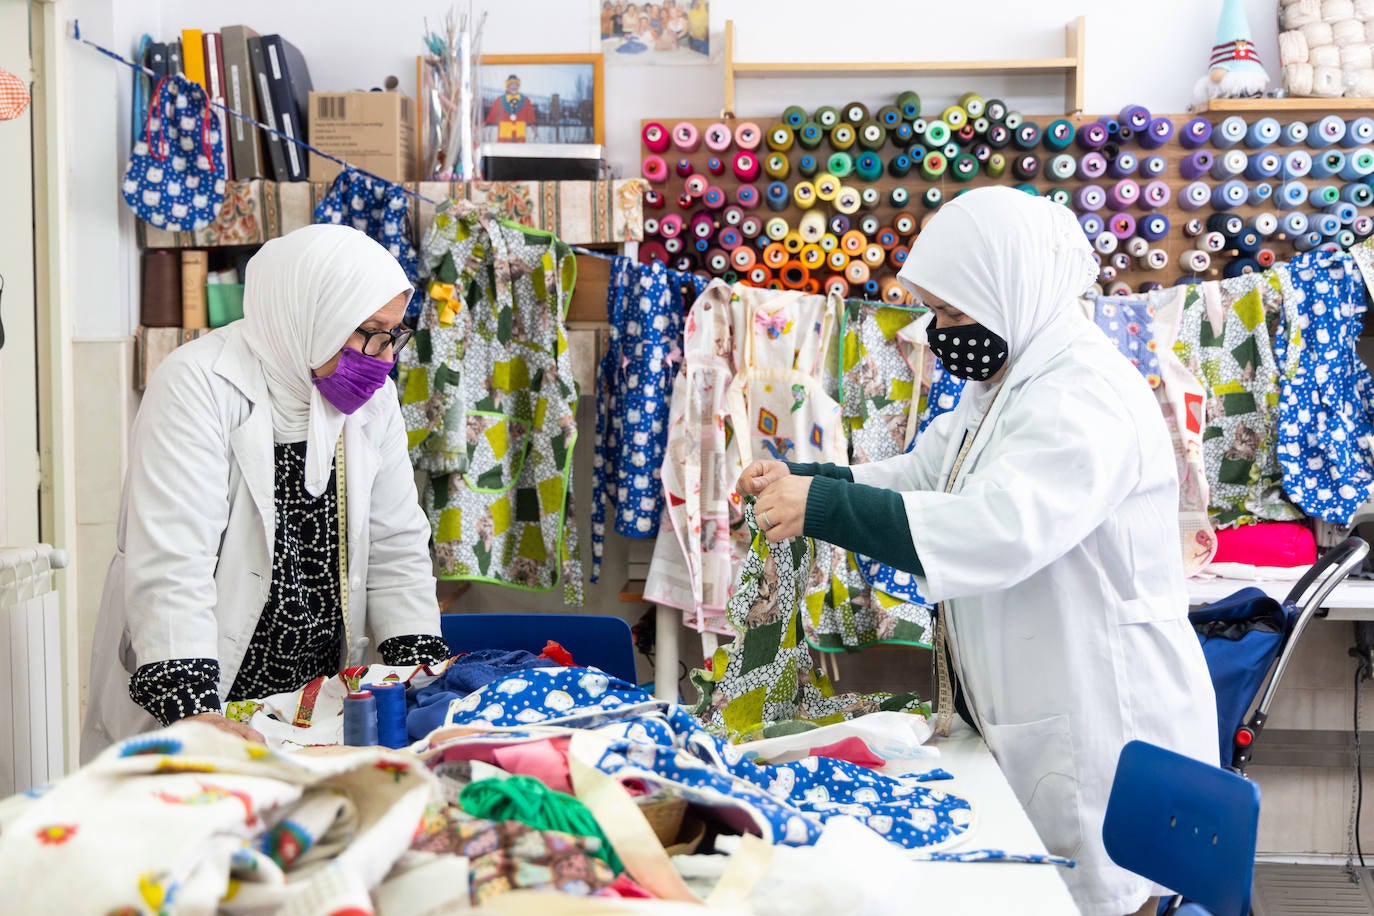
1071,65
1267,106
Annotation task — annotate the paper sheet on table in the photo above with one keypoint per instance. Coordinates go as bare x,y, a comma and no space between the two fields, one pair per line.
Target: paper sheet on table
890,735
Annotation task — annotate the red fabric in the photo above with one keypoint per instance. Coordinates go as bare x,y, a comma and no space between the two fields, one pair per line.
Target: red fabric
624,886
1282,544
852,749
558,655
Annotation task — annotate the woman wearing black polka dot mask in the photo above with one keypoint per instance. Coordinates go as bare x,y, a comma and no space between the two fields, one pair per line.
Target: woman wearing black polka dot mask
1042,513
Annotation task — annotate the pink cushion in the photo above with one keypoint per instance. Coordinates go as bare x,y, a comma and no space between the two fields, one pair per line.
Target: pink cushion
1267,544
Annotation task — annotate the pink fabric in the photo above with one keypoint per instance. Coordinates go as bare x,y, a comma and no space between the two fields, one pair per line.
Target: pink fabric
1283,544
852,749
546,761
624,886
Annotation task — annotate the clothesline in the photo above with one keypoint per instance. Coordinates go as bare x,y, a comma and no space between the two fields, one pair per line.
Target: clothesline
133,65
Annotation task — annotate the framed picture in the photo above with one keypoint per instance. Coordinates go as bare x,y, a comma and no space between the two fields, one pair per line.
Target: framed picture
541,98
666,33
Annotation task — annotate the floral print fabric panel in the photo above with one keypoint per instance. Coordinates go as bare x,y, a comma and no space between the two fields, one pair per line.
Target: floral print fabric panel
767,677
645,307
1129,324
490,403
690,567
1181,398
216,817
1224,340
1325,433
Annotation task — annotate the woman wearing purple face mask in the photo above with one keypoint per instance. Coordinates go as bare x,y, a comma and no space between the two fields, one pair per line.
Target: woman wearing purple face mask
270,489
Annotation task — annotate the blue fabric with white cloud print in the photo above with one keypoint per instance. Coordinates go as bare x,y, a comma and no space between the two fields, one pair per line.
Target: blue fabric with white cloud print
175,176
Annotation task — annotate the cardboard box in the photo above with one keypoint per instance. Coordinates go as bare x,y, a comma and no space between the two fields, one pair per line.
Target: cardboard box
372,130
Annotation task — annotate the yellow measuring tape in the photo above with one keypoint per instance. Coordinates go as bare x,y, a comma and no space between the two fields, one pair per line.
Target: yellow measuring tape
341,489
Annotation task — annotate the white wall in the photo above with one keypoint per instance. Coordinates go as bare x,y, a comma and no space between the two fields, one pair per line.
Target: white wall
1137,53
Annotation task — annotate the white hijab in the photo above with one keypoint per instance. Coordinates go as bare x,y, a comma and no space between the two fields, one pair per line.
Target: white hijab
1012,262
305,293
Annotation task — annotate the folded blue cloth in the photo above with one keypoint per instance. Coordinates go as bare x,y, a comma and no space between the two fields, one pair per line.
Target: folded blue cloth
427,706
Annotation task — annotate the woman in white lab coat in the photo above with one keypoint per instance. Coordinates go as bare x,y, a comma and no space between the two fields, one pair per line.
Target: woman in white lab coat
228,582
1043,513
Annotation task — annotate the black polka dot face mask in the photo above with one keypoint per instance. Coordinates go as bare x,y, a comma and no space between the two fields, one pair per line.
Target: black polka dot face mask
968,351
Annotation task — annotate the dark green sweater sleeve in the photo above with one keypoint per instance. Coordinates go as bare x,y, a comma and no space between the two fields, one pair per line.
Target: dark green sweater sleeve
816,469
867,520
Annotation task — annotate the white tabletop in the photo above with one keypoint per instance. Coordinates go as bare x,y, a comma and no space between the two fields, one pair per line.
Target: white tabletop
999,823
1353,599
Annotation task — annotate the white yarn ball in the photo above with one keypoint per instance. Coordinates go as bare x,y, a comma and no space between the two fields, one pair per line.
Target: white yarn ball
1298,80
1359,84
1299,13
1318,34
1364,10
1348,32
1336,10
1292,48
1327,82
1324,56
1357,57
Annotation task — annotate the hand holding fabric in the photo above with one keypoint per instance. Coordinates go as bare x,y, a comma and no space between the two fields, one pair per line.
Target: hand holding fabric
781,508
758,475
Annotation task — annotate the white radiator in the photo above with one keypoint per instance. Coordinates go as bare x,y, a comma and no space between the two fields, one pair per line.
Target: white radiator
32,743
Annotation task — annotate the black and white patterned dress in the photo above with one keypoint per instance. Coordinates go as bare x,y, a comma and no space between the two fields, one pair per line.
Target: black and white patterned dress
300,635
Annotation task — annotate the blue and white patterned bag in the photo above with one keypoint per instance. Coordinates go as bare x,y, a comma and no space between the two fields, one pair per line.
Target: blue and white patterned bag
175,176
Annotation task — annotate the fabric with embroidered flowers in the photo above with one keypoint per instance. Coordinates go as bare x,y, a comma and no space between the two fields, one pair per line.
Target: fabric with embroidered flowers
223,825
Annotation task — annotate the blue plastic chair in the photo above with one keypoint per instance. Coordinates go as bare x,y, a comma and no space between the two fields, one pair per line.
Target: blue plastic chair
599,640
1185,824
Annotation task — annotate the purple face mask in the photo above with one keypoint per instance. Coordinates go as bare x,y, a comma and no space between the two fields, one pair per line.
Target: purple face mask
355,379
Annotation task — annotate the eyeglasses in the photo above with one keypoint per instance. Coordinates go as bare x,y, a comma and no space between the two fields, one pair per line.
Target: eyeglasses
376,342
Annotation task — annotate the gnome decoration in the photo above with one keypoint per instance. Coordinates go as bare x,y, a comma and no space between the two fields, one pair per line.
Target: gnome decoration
14,96
1236,71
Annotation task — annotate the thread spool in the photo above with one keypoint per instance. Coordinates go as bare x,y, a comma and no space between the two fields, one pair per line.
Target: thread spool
686,137
1295,134
897,256
1297,164
671,226
905,223
391,714
829,242
1229,164
1247,242
1154,226
1266,224
654,169
1121,225
1123,166
848,201
869,166
1106,243
360,718
1062,167
717,137
1262,133
868,224
856,272
1363,226
899,166
1123,195
1328,131
1195,196
937,134
1193,228
1027,136
1120,261
1156,259
1195,133
1195,261
746,166
1091,224
1061,196
995,110
1293,225
839,224
1260,194
1291,195
1155,195
964,167
1159,132
1092,166
1345,212
1136,246
1324,196
1308,241
899,197
1154,166
1263,165
870,196
1026,167
160,299
1328,163
654,199
1107,273
1265,257
713,198
1196,165
656,137
997,165
1230,132
1013,120
1229,195
1092,137
1059,135
1359,164
872,135
1213,242
742,259
1240,267
1358,193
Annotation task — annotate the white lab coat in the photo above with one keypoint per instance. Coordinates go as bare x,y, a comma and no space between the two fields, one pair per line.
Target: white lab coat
193,561
1056,556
